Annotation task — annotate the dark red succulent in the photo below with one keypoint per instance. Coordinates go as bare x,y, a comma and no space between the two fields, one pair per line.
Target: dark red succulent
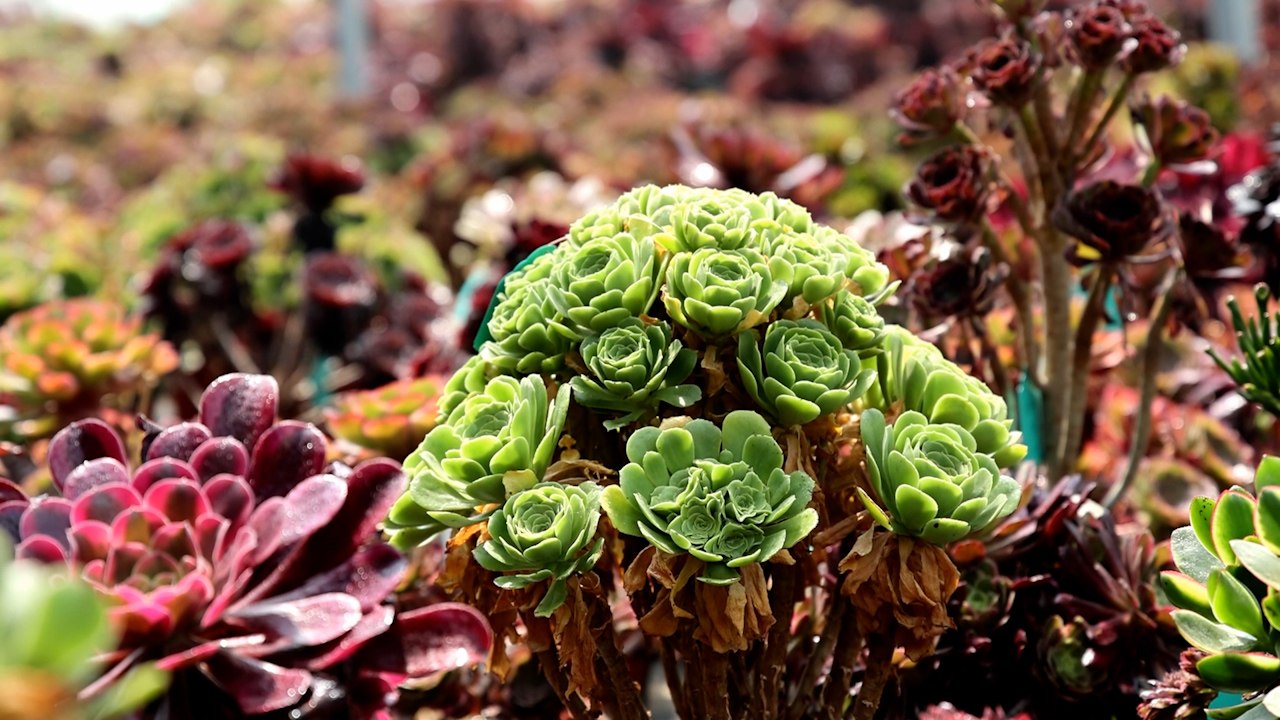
930,106
206,258
1176,133
954,185
234,558
1179,695
1117,221
1154,46
756,162
963,284
1004,70
316,181
1096,35
341,298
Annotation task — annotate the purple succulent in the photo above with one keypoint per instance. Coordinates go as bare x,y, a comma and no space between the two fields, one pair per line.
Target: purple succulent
234,558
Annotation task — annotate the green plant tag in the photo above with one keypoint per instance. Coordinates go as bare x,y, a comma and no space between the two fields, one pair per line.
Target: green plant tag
483,336
1030,406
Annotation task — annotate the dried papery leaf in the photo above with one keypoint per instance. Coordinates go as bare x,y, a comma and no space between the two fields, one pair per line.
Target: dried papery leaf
714,369
574,471
637,573
731,617
783,557
661,620
575,643
912,579
836,532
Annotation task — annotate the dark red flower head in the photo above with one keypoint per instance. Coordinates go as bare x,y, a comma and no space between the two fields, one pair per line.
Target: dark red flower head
1118,221
930,106
1207,251
954,185
215,244
963,284
1154,46
1097,35
316,181
1177,133
1004,70
336,280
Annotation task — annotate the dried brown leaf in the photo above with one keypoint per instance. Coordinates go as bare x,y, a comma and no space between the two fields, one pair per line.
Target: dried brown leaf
714,368
575,643
637,573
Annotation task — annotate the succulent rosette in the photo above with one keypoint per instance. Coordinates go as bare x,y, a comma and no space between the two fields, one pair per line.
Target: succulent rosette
812,270
870,277
544,533
1004,70
916,374
687,219
931,479
1156,46
854,321
391,419
248,572
495,443
529,334
719,293
718,494
1227,587
801,371
605,281
1176,133
954,185
633,367
930,106
1096,34
58,362
1114,220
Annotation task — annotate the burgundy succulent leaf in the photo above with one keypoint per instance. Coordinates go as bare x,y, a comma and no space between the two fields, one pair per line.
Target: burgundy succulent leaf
1097,34
1176,133
954,185
1116,220
930,106
315,181
1004,70
1154,46
251,575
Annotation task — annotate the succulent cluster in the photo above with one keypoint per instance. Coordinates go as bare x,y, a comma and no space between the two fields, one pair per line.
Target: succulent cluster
390,420
62,360
235,556
1227,588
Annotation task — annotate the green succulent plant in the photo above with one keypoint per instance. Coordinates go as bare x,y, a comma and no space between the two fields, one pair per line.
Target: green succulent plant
931,478
686,219
493,444
854,320
544,533
605,281
719,293
529,334
718,494
469,379
802,372
1227,591
1258,376
869,276
915,373
633,367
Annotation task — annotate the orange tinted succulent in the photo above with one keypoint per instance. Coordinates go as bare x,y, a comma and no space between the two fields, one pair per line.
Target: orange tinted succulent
389,420
60,361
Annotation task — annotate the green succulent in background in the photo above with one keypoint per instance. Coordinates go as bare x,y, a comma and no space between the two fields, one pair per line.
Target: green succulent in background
1227,591
718,494
604,282
718,293
529,334
802,372
544,533
1258,375
854,320
633,367
51,632
495,443
915,373
932,479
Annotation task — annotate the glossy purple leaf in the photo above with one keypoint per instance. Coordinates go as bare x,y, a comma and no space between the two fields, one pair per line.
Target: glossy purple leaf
177,500
370,626
136,525
105,503
42,549
230,497
9,492
433,639
371,575
139,619
286,455
179,441
184,599
305,622
90,540
372,489
49,517
267,523
189,658
121,560
240,406
177,539
211,533
153,471
92,474
284,528
258,687
80,441
11,518
222,455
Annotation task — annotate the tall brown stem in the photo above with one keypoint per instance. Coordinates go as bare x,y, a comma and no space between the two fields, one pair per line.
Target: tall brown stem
1020,293
671,669
817,662
551,668
879,670
1081,362
840,679
626,694
782,598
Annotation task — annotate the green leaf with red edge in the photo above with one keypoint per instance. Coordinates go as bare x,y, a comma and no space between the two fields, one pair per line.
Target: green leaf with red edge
1258,560
1232,520
1266,517
1268,474
1234,605
1201,514
1239,672
1185,593
1209,636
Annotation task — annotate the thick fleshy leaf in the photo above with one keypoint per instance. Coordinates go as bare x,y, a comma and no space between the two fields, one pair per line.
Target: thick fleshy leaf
11,518
1191,556
373,624
80,441
92,474
429,640
177,500
179,441
10,492
304,622
163,468
240,406
1239,672
287,454
370,576
48,517
1259,561
258,687
1209,636
230,497
1232,520
219,456
90,541
41,548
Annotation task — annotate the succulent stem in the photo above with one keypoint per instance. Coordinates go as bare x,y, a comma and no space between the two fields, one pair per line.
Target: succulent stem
1081,362
880,647
1117,101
